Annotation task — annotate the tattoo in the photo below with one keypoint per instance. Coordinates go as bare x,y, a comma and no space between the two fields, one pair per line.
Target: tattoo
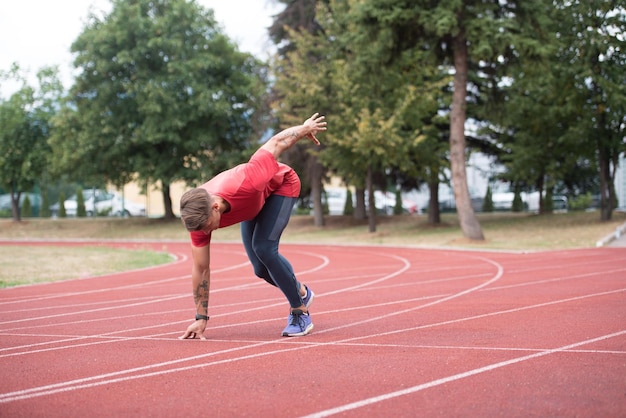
201,295
290,134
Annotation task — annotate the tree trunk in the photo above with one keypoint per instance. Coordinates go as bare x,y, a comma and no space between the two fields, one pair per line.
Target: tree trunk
540,187
434,216
316,192
371,200
469,223
606,184
607,181
167,202
15,206
359,207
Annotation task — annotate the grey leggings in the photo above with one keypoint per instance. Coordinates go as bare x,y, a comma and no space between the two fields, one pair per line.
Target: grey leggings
261,237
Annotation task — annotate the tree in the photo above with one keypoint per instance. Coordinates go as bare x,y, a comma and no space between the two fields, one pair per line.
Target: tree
563,119
44,211
592,52
518,204
470,37
488,201
397,207
163,95
24,119
294,94
27,209
81,211
349,207
378,108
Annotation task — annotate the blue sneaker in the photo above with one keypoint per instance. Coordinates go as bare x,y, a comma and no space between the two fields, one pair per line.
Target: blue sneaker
307,300
299,324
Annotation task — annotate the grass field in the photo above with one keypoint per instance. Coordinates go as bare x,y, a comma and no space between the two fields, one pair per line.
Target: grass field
503,231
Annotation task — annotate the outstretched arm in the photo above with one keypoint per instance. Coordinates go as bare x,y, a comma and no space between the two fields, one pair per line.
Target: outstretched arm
201,280
286,139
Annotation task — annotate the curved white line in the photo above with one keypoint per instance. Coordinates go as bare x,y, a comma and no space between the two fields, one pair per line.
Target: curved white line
498,275
448,379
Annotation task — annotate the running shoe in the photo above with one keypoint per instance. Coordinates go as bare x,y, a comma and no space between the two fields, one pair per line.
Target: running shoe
299,324
307,300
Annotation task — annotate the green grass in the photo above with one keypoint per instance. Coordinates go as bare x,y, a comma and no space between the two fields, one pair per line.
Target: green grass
503,231
28,265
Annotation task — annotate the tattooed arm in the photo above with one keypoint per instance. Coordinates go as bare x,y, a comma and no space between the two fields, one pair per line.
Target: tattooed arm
201,281
287,138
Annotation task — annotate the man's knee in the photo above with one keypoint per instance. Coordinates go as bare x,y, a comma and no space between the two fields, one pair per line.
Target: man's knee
265,250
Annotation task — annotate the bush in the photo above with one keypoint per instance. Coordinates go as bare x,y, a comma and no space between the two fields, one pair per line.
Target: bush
488,202
44,211
81,212
518,203
349,208
27,208
581,202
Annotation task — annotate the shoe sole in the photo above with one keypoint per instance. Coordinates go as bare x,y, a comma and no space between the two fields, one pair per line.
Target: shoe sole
299,334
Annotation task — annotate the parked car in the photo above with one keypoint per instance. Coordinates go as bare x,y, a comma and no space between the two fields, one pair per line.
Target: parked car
100,202
5,202
385,202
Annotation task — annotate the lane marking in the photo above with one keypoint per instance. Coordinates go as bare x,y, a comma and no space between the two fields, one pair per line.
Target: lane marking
376,399
82,383
313,345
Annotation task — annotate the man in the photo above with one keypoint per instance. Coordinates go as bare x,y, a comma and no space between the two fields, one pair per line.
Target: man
260,195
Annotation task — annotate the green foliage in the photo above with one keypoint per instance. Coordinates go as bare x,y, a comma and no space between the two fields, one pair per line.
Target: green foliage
349,206
581,202
163,94
564,116
44,210
518,203
27,208
24,122
488,201
81,212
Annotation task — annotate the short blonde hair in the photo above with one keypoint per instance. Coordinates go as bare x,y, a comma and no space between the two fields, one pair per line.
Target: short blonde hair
195,207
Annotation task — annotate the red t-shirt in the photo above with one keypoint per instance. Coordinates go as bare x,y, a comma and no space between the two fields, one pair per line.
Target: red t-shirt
246,186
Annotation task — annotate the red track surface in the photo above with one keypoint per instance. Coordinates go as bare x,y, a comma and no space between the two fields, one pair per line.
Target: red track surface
398,332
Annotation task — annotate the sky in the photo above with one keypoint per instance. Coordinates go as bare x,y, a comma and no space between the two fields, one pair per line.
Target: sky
38,33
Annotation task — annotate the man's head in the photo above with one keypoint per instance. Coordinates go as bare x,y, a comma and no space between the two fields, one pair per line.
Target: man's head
195,209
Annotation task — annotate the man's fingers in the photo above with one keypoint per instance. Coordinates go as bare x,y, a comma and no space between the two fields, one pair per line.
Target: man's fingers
187,335
314,139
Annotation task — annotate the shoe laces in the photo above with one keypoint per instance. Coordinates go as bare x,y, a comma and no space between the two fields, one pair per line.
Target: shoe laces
296,318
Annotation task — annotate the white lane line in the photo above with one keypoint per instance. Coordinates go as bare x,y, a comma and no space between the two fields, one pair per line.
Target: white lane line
455,377
406,263
246,356
342,342
487,315
494,278
560,279
82,383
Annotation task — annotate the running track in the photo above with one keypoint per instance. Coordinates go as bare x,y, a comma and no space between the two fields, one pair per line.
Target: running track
399,332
